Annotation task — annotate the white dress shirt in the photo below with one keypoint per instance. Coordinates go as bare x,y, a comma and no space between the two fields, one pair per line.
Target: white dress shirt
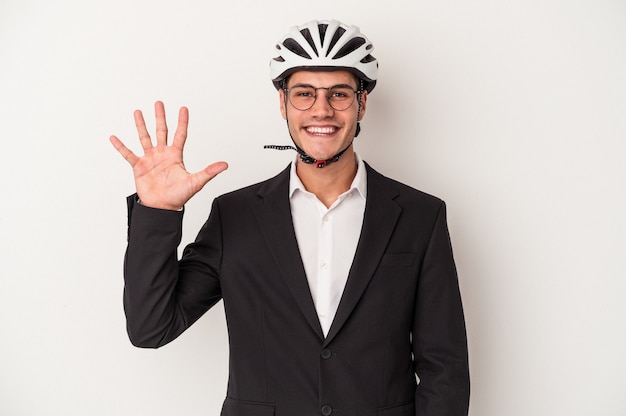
327,239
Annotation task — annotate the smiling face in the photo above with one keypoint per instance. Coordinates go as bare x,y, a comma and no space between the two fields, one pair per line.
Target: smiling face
321,131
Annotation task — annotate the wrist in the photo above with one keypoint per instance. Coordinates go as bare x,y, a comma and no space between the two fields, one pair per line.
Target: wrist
158,206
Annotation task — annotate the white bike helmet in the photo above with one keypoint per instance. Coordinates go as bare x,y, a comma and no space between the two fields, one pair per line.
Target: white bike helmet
325,45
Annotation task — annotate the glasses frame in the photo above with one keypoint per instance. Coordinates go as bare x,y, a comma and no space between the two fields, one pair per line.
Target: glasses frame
328,89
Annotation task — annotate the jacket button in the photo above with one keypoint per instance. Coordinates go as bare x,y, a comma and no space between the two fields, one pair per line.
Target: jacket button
326,353
327,410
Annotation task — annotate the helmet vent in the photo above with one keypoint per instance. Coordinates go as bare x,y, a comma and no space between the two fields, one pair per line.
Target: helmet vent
294,47
307,35
338,33
368,58
350,46
322,28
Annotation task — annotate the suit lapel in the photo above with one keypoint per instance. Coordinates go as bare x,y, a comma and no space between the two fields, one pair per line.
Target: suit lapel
381,215
274,217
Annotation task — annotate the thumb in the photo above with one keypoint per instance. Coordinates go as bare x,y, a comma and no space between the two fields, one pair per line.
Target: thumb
211,171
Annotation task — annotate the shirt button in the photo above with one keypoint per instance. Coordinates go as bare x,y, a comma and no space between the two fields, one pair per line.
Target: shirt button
327,410
325,219
324,266
326,353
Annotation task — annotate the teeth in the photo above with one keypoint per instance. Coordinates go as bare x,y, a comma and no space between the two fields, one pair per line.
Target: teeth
321,130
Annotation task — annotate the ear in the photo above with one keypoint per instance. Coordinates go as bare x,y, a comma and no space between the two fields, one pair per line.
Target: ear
283,110
363,105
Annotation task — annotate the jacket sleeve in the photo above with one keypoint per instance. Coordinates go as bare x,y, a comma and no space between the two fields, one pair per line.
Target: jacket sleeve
439,337
162,296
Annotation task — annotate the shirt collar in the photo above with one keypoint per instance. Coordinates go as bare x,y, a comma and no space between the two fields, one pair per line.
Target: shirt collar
359,182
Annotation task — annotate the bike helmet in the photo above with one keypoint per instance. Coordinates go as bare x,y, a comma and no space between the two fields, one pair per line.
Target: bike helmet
325,45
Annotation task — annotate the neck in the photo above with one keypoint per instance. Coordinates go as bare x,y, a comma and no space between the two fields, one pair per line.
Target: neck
331,181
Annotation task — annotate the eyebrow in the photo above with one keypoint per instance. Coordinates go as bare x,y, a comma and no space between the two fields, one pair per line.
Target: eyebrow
303,85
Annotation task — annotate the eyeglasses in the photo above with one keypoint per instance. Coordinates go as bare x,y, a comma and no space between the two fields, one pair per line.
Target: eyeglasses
340,97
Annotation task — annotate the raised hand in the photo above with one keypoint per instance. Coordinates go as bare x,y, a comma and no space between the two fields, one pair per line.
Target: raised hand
161,179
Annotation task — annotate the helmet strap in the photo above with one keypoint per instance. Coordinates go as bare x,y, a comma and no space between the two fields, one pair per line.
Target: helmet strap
360,104
320,163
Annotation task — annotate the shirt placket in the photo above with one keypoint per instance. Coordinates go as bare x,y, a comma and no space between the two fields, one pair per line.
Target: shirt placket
325,281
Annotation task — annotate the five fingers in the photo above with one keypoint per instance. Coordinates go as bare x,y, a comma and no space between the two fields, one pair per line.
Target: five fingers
180,136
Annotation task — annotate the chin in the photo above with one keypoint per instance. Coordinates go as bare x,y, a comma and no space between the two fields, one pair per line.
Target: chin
322,154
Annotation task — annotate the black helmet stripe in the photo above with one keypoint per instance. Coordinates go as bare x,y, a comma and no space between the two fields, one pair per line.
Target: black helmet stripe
307,35
322,28
350,46
338,33
295,47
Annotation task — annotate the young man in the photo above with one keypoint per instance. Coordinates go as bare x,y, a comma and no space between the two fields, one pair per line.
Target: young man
338,283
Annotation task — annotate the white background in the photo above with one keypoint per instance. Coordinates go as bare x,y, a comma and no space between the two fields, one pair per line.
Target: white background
513,112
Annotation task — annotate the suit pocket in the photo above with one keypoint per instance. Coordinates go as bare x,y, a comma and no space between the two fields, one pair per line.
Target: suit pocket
407,409
234,407
397,260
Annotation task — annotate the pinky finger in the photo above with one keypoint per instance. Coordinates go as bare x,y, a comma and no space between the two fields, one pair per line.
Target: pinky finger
123,150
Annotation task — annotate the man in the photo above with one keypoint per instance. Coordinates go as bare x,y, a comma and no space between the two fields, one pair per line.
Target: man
338,283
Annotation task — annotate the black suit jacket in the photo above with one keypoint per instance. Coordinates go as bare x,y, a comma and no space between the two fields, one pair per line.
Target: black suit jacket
400,313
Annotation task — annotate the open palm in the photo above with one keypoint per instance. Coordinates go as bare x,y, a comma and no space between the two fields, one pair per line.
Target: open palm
161,179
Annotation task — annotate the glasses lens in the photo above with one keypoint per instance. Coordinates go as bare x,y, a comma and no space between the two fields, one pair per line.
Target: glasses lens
339,98
302,98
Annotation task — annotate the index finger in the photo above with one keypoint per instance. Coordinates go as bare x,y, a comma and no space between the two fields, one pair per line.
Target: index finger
180,136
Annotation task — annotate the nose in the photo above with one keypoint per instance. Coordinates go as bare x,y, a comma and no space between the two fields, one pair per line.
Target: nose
321,106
